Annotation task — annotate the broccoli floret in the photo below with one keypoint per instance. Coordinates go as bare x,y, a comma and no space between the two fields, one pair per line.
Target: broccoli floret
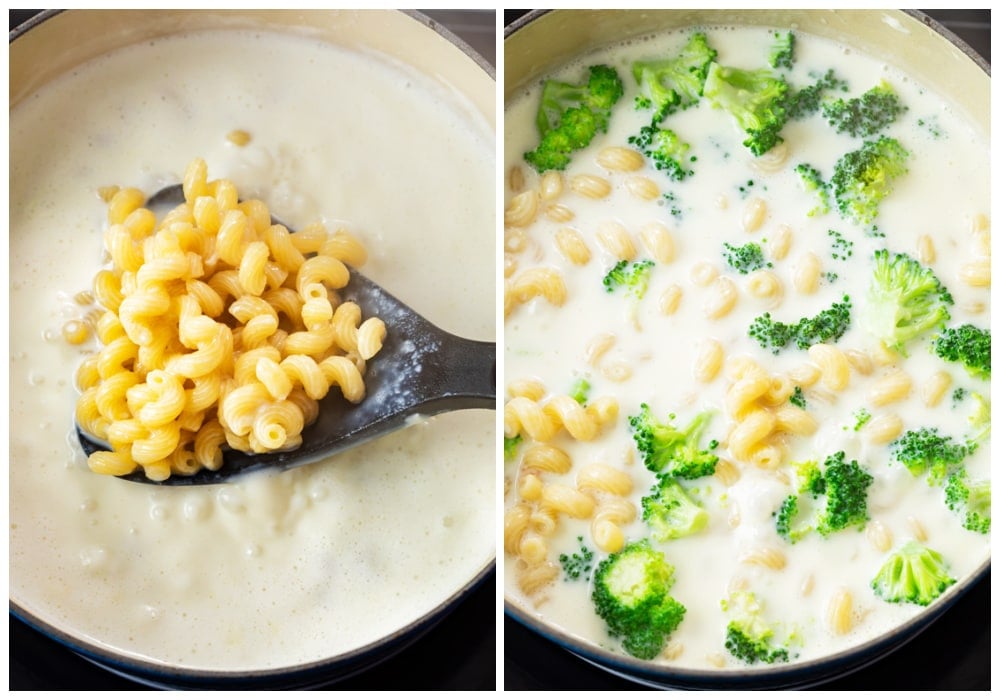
798,398
809,478
846,495
580,391
970,498
632,595
806,101
812,181
672,84
578,564
840,492
671,512
633,277
926,451
755,98
510,446
913,573
825,327
796,518
749,637
783,50
790,524
666,448
861,418
666,150
570,115
968,345
980,421
905,300
865,116
745,258
864,177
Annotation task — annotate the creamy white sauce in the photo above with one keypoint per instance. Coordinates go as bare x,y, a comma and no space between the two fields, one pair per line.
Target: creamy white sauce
947,185
282,569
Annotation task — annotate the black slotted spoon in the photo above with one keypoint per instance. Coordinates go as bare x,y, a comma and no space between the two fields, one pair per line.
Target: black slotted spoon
421,371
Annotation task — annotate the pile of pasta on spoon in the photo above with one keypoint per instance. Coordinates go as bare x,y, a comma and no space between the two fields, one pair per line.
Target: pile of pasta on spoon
219,329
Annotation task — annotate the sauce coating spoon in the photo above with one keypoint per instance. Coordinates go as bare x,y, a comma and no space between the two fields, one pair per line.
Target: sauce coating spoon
420,371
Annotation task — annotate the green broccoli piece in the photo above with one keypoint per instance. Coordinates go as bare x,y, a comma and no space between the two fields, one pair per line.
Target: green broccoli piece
913,573
840,247
510,446
672,84
826,326
905,300
576,130
790,524
806,101
970,499
840,492
666,150
570,115
673,205
666,448
809,478
846,495
745,258
783,50
969,345
578,564
798,398
861,418
749,637
981,420
864,116
755,98
580,391
671,512
813,182
864,177
632,595
926,451
631,276
795,518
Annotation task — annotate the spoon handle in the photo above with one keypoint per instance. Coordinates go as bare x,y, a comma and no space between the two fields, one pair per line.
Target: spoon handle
461,374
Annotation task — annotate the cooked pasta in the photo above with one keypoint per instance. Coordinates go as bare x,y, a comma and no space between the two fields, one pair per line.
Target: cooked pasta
536,282
522,209
221,330
620,158
642,187
590,186
616,240
572,246
754,214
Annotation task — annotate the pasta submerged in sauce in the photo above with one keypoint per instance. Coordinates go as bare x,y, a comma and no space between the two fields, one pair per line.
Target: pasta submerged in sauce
581,361
274,570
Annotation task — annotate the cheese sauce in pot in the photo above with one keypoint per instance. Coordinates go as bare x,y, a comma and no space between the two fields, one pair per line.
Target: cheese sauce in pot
650,351
273,570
